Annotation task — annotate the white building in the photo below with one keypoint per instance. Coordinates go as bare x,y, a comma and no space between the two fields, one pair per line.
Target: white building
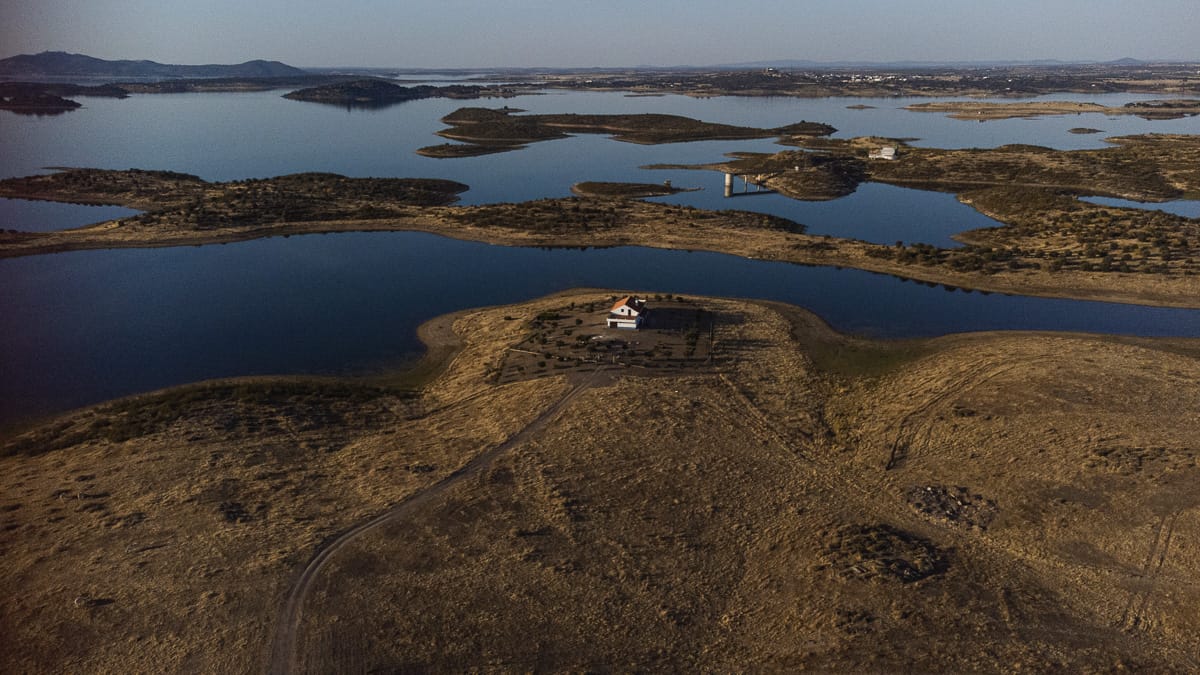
627,313
886,152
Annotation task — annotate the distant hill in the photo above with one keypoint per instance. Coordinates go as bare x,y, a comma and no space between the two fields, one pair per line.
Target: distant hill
1126,62
62,64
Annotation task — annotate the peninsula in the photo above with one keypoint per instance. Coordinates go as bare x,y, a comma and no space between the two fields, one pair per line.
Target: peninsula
977,502
1053,244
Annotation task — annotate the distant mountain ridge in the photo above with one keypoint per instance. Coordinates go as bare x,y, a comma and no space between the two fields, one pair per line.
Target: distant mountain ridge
63,64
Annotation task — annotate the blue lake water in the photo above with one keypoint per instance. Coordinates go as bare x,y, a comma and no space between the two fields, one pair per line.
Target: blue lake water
34,216
90,325
86,326
878,213
1188,208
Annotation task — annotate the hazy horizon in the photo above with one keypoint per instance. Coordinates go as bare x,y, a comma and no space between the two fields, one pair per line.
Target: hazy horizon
584,33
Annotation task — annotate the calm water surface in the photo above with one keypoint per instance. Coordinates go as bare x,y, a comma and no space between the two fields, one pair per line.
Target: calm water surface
1188,208
34,216
90,325
83,327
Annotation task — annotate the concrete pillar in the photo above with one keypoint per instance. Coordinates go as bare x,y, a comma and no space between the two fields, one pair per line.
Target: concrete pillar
728,185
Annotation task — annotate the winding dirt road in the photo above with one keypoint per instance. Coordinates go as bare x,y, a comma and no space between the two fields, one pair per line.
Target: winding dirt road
284,656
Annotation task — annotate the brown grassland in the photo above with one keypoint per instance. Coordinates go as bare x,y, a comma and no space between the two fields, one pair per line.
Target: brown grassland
781,497
987,110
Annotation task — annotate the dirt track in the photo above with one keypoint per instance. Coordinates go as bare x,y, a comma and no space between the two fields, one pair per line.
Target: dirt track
283,653
1038,513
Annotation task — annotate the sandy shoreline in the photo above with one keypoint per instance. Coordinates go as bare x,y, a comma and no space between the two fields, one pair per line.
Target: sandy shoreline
1180,292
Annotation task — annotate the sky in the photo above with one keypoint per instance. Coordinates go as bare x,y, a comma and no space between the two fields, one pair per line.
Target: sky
603,33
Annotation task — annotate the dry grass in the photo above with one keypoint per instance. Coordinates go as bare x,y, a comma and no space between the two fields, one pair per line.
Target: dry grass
977,502
987,110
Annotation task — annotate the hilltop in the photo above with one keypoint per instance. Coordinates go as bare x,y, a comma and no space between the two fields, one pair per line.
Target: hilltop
63,64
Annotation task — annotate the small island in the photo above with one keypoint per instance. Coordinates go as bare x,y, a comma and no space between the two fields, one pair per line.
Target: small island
502,129
50,99
1084,130
626,190
375,93
456,150
36,103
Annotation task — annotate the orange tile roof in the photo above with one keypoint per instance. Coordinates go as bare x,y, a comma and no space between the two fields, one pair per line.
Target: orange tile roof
620,303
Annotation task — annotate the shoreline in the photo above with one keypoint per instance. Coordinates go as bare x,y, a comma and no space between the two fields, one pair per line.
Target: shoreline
798,426
1044,246
985,111
439,343
442,345
769,246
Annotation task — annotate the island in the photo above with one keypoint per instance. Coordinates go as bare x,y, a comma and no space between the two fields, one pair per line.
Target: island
626,190
733,482
376,93
499,129
456,150
35,102
49,99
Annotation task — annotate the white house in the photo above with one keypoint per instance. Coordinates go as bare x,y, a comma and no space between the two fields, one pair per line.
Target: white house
627,313
886,152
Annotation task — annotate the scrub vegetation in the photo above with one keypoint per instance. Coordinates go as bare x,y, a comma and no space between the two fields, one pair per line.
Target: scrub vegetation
790,498
1051,243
